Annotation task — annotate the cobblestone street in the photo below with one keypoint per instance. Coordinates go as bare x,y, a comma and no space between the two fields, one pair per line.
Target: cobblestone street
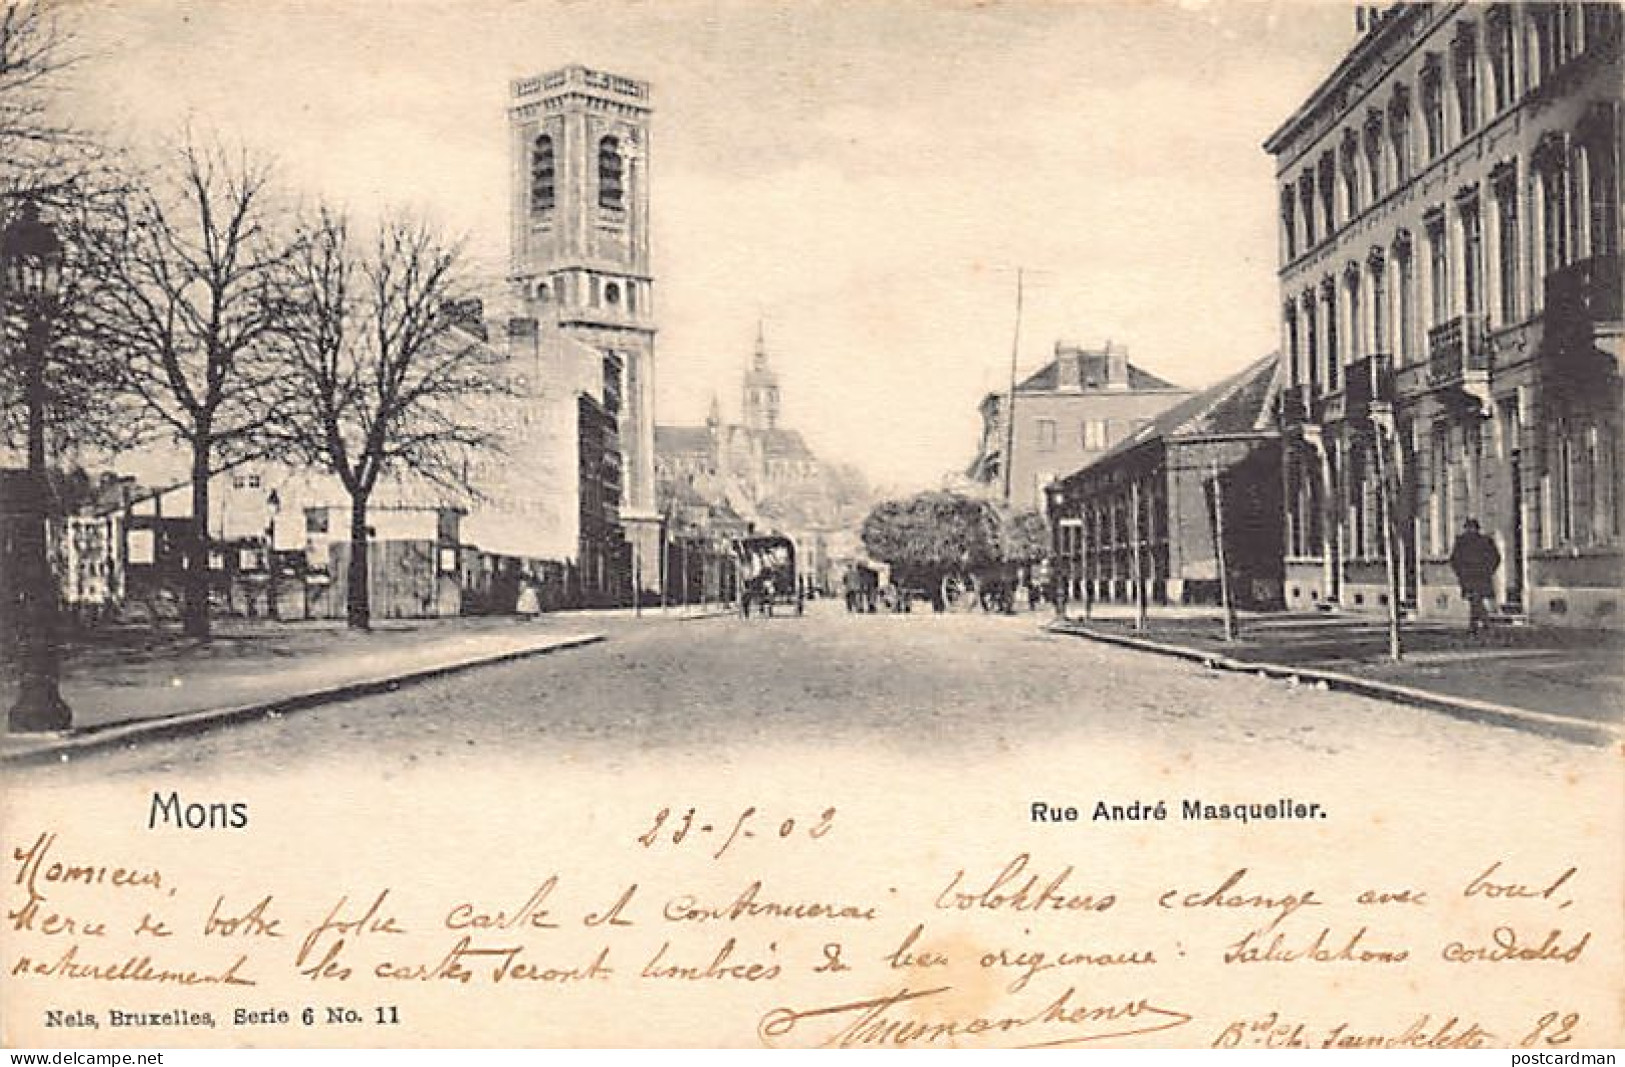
948,688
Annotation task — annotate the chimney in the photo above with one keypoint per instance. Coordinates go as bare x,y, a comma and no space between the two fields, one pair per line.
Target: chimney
1068,368
1116,366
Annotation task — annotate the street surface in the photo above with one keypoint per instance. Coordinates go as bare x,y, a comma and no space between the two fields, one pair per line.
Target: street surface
950,687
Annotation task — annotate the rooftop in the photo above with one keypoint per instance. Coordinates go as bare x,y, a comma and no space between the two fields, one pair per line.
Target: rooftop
1240,404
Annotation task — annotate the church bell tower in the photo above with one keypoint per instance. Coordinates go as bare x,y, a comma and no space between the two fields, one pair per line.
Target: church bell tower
580,263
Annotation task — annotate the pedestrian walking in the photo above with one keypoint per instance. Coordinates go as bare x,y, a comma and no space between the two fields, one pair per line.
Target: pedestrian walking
530,599
1475,560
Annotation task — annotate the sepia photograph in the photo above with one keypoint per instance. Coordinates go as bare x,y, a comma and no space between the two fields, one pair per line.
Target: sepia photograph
812,524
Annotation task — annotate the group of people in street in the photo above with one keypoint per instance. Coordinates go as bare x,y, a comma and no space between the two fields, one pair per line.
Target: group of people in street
1474,559
861,587
759,592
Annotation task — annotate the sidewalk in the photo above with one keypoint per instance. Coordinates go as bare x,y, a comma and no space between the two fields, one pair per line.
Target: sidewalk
139,684
1534,675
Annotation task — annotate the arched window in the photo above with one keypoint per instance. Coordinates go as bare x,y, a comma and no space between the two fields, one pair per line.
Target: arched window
1289,225
1433,105
541,174
1399,132
609,172
1373,154
1350,156
1464,54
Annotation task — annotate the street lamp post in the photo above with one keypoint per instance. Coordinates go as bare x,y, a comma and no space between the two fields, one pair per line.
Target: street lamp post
273,507
30,272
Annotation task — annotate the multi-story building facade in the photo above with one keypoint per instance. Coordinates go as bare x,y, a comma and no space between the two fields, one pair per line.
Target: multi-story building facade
581,269
1449,207
1068,413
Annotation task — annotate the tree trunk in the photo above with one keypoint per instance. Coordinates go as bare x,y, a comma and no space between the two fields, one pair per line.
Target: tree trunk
195,592
358,604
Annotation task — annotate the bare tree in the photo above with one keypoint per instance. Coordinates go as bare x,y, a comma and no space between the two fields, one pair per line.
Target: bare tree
387,372
189,296
41,154
48,165
83,378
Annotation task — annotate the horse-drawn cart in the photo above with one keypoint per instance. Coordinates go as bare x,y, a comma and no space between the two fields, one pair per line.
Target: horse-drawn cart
767,575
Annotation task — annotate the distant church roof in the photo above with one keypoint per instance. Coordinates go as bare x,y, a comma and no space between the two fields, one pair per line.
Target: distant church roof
682,440
785,444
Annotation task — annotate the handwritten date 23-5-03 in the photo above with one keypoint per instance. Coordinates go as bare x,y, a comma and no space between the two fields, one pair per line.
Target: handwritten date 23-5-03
697,831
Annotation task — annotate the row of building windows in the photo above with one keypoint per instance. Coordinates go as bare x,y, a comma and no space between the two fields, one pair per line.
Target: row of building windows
1481,267
1574,503
543,174
1493,62
1093,434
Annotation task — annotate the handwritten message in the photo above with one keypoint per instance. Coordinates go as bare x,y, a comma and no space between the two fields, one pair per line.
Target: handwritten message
756,917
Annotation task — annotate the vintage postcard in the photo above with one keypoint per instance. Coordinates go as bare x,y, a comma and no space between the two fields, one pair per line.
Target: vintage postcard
775,523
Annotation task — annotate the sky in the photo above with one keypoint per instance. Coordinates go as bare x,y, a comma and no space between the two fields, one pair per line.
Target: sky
861,176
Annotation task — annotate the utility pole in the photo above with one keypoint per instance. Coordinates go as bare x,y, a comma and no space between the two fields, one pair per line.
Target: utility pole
637,580
1387,469
1224,567
1088,565
1010,404
1139,563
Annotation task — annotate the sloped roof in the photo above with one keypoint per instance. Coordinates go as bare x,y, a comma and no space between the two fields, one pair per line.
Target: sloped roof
785,444
1240,403
1093,367
682,440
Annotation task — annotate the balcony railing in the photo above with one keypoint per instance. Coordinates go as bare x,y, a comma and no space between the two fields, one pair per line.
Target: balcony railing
1585,292
1456,351
1368,381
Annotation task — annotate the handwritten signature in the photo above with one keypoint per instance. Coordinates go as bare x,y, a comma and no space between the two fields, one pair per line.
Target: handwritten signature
875,1022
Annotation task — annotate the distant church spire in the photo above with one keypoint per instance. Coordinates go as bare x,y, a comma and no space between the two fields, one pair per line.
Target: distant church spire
759,358
761,388
713,419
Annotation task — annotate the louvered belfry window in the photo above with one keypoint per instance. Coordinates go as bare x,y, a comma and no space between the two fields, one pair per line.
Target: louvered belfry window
542,185
609,173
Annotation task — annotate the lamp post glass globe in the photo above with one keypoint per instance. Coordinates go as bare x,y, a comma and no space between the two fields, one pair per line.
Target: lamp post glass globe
32,256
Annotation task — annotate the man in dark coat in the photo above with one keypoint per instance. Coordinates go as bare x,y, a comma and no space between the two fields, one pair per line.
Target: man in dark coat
1475,559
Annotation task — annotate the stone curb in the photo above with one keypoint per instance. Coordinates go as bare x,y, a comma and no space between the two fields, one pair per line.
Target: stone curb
62,746
1482,711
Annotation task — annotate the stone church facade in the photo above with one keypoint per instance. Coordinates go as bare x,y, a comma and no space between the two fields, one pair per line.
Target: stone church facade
753,476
